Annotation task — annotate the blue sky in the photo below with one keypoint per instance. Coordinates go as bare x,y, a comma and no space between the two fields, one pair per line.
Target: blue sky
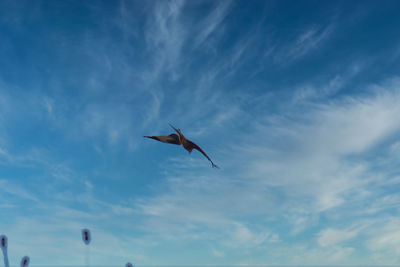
298,102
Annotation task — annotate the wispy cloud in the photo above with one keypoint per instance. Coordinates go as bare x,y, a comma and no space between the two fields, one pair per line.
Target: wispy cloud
384,241
165,36
16,191
212,22
317,150
329,237
291,169
309,92
114,121
316,88
310,39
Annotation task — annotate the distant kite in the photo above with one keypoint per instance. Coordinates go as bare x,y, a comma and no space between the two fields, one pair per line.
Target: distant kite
3,245
3,242
25,261
179,139
86,236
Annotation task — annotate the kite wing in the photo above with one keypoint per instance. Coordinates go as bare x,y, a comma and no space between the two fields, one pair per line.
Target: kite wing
194,146
170,139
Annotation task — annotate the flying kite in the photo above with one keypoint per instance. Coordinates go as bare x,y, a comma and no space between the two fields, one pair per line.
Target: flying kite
179,139
25,261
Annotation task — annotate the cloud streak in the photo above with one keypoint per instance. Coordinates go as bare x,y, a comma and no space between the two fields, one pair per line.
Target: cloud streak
212,22
310,39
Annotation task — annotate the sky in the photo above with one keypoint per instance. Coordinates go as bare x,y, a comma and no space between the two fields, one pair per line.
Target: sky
298,102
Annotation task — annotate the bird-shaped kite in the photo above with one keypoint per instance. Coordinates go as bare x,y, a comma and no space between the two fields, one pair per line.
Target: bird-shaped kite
179,139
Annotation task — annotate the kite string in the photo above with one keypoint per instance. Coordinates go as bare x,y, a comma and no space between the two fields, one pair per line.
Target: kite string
87,256
6,263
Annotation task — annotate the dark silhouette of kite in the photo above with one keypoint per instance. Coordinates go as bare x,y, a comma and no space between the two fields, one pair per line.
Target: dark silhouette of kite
179,139
25,261
3,245
86,236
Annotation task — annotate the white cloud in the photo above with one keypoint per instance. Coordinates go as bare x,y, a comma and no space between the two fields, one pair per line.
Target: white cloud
329,237
48,104
217,253
310,92
212,22
303,255
385,236
394,150
243,236
16,190
114,123
311,159
293,167
165,36
382,203
308,40
4,154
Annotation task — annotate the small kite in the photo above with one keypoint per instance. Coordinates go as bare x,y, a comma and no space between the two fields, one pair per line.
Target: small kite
25,261
86,236
3,245
179,139
3,242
